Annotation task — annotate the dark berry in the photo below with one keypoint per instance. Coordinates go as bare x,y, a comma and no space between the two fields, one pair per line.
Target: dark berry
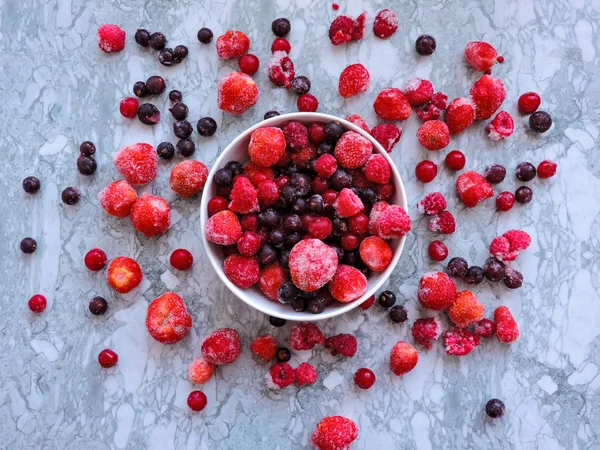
291,168
71,196
387,299
494,270
292,222
142,37
31,185
182,129
340,226
283,355
540,121
284,259
139,89
98,306
523,195
425,45
28,245
87,148
166,57
270,114
299,204
165,150
398,314
339,251
513,279
340,179
325,148
281,27
206,126
351,258
235,167
333,131
301,85
277,238
175,96
267,254
179,111
494,173
457,267
317,305
525,171
155,85
268,218
286,292
368,195
86,165
205,35
186,147
148,114
299,303
494,408
315,203
157,41
474,275
302,183
292,239
181,51
223,177
289,194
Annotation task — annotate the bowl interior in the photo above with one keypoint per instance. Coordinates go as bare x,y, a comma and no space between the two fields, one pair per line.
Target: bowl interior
237,150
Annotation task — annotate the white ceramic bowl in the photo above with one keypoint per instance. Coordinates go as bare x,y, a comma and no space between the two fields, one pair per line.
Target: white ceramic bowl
237,150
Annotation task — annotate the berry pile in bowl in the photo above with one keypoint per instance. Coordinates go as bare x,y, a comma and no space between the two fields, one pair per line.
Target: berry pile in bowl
304,216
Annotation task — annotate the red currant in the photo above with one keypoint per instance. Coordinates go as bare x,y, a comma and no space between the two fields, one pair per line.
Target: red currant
349,241
437,250
107,358
128,107
248,64
364,378
280,45
529,102
216,204
455,160
505,201
307,103
329,197
282,181
249,222
367,303
385,191
316,132
320,228
197,401
95,259
319,185
358,223
546,169
426,171
249,243
37,303
181,259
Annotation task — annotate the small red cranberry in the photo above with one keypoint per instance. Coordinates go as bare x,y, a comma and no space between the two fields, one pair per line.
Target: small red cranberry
426,171
350,241
248,64
37,303
107,358
216,204
437,250
529,102
197,401
181,259
505,201
307,103
455,160
364,378
281,45
546,169
95,259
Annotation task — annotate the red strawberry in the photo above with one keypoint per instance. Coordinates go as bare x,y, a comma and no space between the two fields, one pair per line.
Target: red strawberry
507,330
403,358
481,55
488,94
111,38
354,80
466,309
222,346
436,291
434,135
168,320
264,347
271,277
472,188
200,371
305,336
459,341
460,114
392,104
334,433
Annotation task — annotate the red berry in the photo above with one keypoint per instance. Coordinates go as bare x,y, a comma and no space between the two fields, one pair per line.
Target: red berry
37,303
248,64
354,80
455,160
249,243
334,433
546,169
426,171
443,222
434,135
505,201
329,197
432,204
507,330
367,303
216,204
107,358
316,132
348,284
128,107
305,335
281,45
459,341
268,193
320,228
529,102
181,259
364,378
335,6
307,103
197,401
111,38
349,241
437,250
385,24
485,328
237,92
282,181
319,185
403,358
232,44
95,259
358,223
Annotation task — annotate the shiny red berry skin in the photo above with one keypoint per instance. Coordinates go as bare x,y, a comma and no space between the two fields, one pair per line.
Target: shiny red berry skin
307,103
455,160
128,107
437,250
107,358
248,64
181,259
364,378
367,303
95,259
281,45
197,401
546,169
529,102
316,133
37,303
216,204
350,241
505,201
329,197
358,223
319,185
426,171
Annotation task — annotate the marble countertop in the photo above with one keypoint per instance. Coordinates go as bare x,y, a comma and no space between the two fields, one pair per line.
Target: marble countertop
58,90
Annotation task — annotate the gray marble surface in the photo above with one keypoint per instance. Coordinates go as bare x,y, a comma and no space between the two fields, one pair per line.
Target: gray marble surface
58,90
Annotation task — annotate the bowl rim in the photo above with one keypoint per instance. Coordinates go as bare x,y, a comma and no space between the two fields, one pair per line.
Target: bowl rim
217,263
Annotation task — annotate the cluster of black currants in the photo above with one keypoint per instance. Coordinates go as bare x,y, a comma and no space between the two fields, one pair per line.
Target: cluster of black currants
158,41
494,270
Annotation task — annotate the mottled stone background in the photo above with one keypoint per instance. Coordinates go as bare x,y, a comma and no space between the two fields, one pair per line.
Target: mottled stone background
58,90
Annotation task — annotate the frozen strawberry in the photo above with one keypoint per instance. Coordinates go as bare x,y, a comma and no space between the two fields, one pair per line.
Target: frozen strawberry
344,29
296,135
271,277
188,178
459,341
334,433
385,24
377,169
167,319
305,155
305,374
244,197
481,55
200,371
508,246
342,344
347,284
243,271
258,174
150,215
348,203
460,114
137,163
232,44
546,169
123,274
358,121
237,92
488,94
353,150
264,347
485,328
507,330
393,222
500,127
325,165
432,204
418,91
376,211
429,112
443,223
375,253
426,331
312,264
403,358
436,291
387,134
280,69
280,375
354,80
305,335
392,104
267,146
465,310
434,135
111,38
118,198
472,188
222,346
223,228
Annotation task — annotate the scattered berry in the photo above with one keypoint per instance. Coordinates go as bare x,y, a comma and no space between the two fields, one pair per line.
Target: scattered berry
359,122
525,171
222,346
137,163
465,310
403,358
167,319
279,376
281,27
488,94
364,378
237,92
418,91
111,38
457,267
507,330
197,401
200,371
95,259
387,299
426,171
508,246
150,215
485,328
283,355
524,195
501,126
305,374
529,102
124,274
181,259
37,303
443,223
546,169
432,204
107,358
354,80
188,178
344,29
232,44
148,114
391,104
513,279
205,35
128,107
342,344
305,335
98,306
281,69
425,45
385,24
436,291
264,347
426,331
494,270
460,114
455,160
494,173
281,45
481,55
472,188
459,341
494,408
437,250
398,314
31,185
434,135
505,201
307,103
248,64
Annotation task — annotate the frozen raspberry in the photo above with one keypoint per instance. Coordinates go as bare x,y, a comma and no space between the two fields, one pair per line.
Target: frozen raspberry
320,228
387,134
426,331
507,330
232,44
267,146
223,228
345,29
280,375
529,102
264,347
500,127
432,204
488,94
375,253
296,135
342,344
354,80
374,216
150,215
123,274
347,284
167,319
281,45
466,309
459,341
508,246
312,264
437,250
439,100
418,91
434,135
472,188
546,169
334,433
348,203
271,277
222,346
443,223
128,107
111,38
244,196
118,198
460,114
485,328
393,222
358,121
243,271
305,335
436,291
305,374
367,303
481,55
429,112
304,156
385,24
249,243
392,104
403,358
281,69
200,371
307,103
188,178
237,92
325,165
353,150
137,163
